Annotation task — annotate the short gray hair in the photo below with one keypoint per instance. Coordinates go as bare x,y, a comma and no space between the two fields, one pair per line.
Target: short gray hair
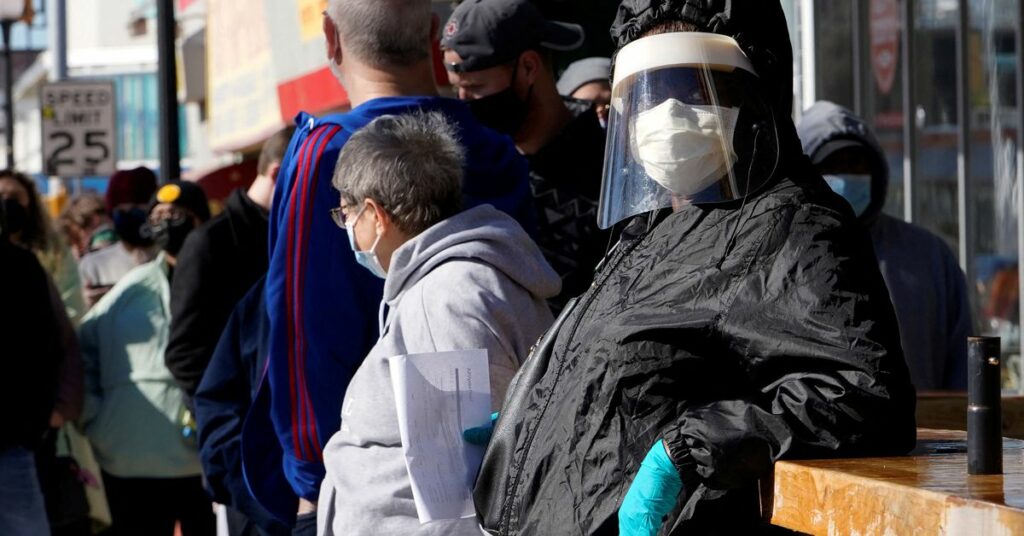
384,33
410,164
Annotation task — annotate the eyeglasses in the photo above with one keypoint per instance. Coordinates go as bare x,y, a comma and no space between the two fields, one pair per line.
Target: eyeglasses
338,215
341,219
171,215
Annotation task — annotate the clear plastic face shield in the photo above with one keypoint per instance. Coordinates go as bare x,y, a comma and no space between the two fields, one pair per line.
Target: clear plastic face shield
686,126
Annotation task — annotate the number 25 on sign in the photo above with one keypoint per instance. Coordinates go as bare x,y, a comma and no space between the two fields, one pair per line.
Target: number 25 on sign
78,128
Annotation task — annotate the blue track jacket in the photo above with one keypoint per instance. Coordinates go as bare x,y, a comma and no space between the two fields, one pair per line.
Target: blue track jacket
322,306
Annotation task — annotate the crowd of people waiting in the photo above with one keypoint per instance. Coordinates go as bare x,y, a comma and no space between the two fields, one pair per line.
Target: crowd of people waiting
669,294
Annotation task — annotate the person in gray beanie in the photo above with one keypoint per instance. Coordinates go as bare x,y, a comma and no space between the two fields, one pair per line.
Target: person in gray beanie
588,80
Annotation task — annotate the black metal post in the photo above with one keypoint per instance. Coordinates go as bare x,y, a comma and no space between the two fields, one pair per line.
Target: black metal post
984,418
60,40
170,145
5,26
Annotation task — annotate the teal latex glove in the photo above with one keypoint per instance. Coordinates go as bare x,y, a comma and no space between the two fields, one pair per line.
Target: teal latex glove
480,435
651,496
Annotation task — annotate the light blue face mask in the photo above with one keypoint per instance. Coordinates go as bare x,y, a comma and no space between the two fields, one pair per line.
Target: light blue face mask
855,189
366,259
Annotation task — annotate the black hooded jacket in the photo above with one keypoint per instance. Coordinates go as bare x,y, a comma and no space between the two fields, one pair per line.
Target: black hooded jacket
927,287
738,334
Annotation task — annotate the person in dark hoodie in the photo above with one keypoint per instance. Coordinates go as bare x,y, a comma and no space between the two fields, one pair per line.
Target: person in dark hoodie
217,265
741,319
455,280
925,281
32,352
322,306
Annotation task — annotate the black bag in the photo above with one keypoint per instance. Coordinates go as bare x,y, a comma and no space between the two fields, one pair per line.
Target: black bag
61,481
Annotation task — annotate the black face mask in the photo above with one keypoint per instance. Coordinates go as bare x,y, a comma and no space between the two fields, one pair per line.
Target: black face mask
13,217
171,234
129,226
503,111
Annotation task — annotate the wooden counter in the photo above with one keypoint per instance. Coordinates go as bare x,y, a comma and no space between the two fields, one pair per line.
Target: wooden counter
928,492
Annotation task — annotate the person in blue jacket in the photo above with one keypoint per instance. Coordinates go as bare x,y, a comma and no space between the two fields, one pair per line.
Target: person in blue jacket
322,306
926,284
222,401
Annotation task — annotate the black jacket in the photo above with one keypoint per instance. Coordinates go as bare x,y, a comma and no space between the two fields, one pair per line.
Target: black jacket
219,262
223,401
789,348
565,181
30,348
738,333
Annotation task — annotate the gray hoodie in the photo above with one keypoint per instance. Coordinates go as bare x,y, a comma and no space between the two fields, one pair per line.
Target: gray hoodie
475,280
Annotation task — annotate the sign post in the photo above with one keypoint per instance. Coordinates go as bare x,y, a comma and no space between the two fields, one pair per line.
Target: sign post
79,129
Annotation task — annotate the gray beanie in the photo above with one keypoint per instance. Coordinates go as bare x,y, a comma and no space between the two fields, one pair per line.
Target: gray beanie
583,72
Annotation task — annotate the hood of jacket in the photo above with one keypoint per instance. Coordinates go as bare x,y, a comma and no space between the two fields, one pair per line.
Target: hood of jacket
481,235
826,122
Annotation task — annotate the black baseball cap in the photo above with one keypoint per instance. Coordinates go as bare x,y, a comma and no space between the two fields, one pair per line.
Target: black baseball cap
187,195
488,33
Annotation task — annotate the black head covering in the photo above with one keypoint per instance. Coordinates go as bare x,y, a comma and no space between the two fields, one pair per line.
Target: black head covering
759,26
187,195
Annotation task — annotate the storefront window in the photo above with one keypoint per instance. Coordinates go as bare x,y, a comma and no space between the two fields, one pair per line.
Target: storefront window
993,189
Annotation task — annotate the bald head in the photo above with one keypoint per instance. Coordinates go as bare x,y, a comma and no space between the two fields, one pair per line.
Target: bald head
384,33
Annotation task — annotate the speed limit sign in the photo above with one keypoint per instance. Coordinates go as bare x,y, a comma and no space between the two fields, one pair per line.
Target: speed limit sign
79,137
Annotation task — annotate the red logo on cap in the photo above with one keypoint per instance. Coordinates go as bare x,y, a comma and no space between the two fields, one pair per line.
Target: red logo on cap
450,28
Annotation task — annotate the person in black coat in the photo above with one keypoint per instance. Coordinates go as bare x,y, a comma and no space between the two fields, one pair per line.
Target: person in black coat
741,319
216,266
31,352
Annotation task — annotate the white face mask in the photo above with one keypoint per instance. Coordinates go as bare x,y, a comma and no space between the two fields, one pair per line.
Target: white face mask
366,259
686,148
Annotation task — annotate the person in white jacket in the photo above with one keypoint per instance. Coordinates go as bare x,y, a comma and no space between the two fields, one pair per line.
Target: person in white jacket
454,280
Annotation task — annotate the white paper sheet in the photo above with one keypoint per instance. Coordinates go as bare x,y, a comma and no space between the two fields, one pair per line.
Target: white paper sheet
437,397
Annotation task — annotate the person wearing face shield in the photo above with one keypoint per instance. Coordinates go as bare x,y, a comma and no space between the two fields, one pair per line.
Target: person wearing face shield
498,57
741,318
926,284
135,414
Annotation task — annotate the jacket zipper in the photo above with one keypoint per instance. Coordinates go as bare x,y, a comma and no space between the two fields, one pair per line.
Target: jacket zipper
595,290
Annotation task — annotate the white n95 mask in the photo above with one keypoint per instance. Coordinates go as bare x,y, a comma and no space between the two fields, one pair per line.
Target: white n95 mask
685,148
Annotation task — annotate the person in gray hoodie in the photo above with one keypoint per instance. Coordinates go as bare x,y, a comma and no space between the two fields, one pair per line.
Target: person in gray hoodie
925,282
454,280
